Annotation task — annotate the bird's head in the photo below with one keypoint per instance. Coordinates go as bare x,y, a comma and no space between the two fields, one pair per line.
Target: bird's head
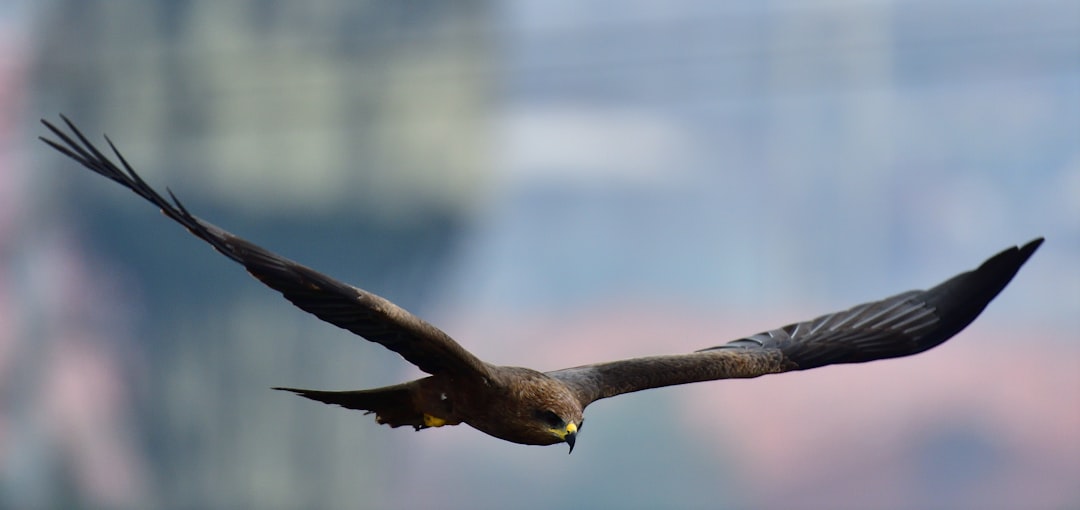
563,429
554,410
539,409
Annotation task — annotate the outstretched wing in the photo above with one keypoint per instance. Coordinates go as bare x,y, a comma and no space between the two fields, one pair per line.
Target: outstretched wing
342,305
901,325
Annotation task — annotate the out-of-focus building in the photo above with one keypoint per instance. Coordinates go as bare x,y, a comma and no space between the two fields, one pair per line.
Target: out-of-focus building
365,119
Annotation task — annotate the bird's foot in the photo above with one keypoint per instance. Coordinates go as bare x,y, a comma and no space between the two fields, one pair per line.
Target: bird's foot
433,421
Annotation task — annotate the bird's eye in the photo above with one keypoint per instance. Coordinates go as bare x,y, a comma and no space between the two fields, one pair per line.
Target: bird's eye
550,418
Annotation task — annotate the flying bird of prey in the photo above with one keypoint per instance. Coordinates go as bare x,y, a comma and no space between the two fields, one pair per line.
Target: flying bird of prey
542,408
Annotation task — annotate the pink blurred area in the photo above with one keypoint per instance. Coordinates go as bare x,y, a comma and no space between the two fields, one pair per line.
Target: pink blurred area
65,397
865,436
69,395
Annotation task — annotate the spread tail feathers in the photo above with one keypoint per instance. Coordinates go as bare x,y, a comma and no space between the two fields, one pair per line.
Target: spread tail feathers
392,405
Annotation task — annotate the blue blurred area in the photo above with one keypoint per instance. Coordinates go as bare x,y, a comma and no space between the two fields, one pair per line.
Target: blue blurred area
553,183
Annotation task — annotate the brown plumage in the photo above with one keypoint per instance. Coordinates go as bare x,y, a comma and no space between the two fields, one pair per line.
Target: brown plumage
530,407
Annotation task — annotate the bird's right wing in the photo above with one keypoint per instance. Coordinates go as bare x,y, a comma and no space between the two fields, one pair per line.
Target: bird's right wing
342,305
901,325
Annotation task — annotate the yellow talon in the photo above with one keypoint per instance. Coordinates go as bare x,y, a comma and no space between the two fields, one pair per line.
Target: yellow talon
433,421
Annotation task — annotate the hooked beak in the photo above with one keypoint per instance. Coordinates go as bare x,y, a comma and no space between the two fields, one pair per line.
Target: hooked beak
571,436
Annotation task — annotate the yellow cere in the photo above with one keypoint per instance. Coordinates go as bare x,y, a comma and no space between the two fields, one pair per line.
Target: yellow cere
562,433
433,421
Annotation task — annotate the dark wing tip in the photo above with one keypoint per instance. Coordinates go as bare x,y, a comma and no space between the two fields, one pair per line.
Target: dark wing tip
959,300
1029,248
1010,259
901,325
963,297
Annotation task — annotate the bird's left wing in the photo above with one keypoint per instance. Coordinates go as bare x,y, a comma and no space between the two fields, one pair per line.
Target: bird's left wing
345,306
901,325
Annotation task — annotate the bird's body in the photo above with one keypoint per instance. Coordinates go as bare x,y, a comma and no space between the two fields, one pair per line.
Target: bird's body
486,402
525,406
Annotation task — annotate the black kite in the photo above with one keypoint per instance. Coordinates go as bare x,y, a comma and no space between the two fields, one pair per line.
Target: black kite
530,407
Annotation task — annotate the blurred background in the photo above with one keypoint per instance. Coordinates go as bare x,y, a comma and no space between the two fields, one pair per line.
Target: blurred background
553,183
